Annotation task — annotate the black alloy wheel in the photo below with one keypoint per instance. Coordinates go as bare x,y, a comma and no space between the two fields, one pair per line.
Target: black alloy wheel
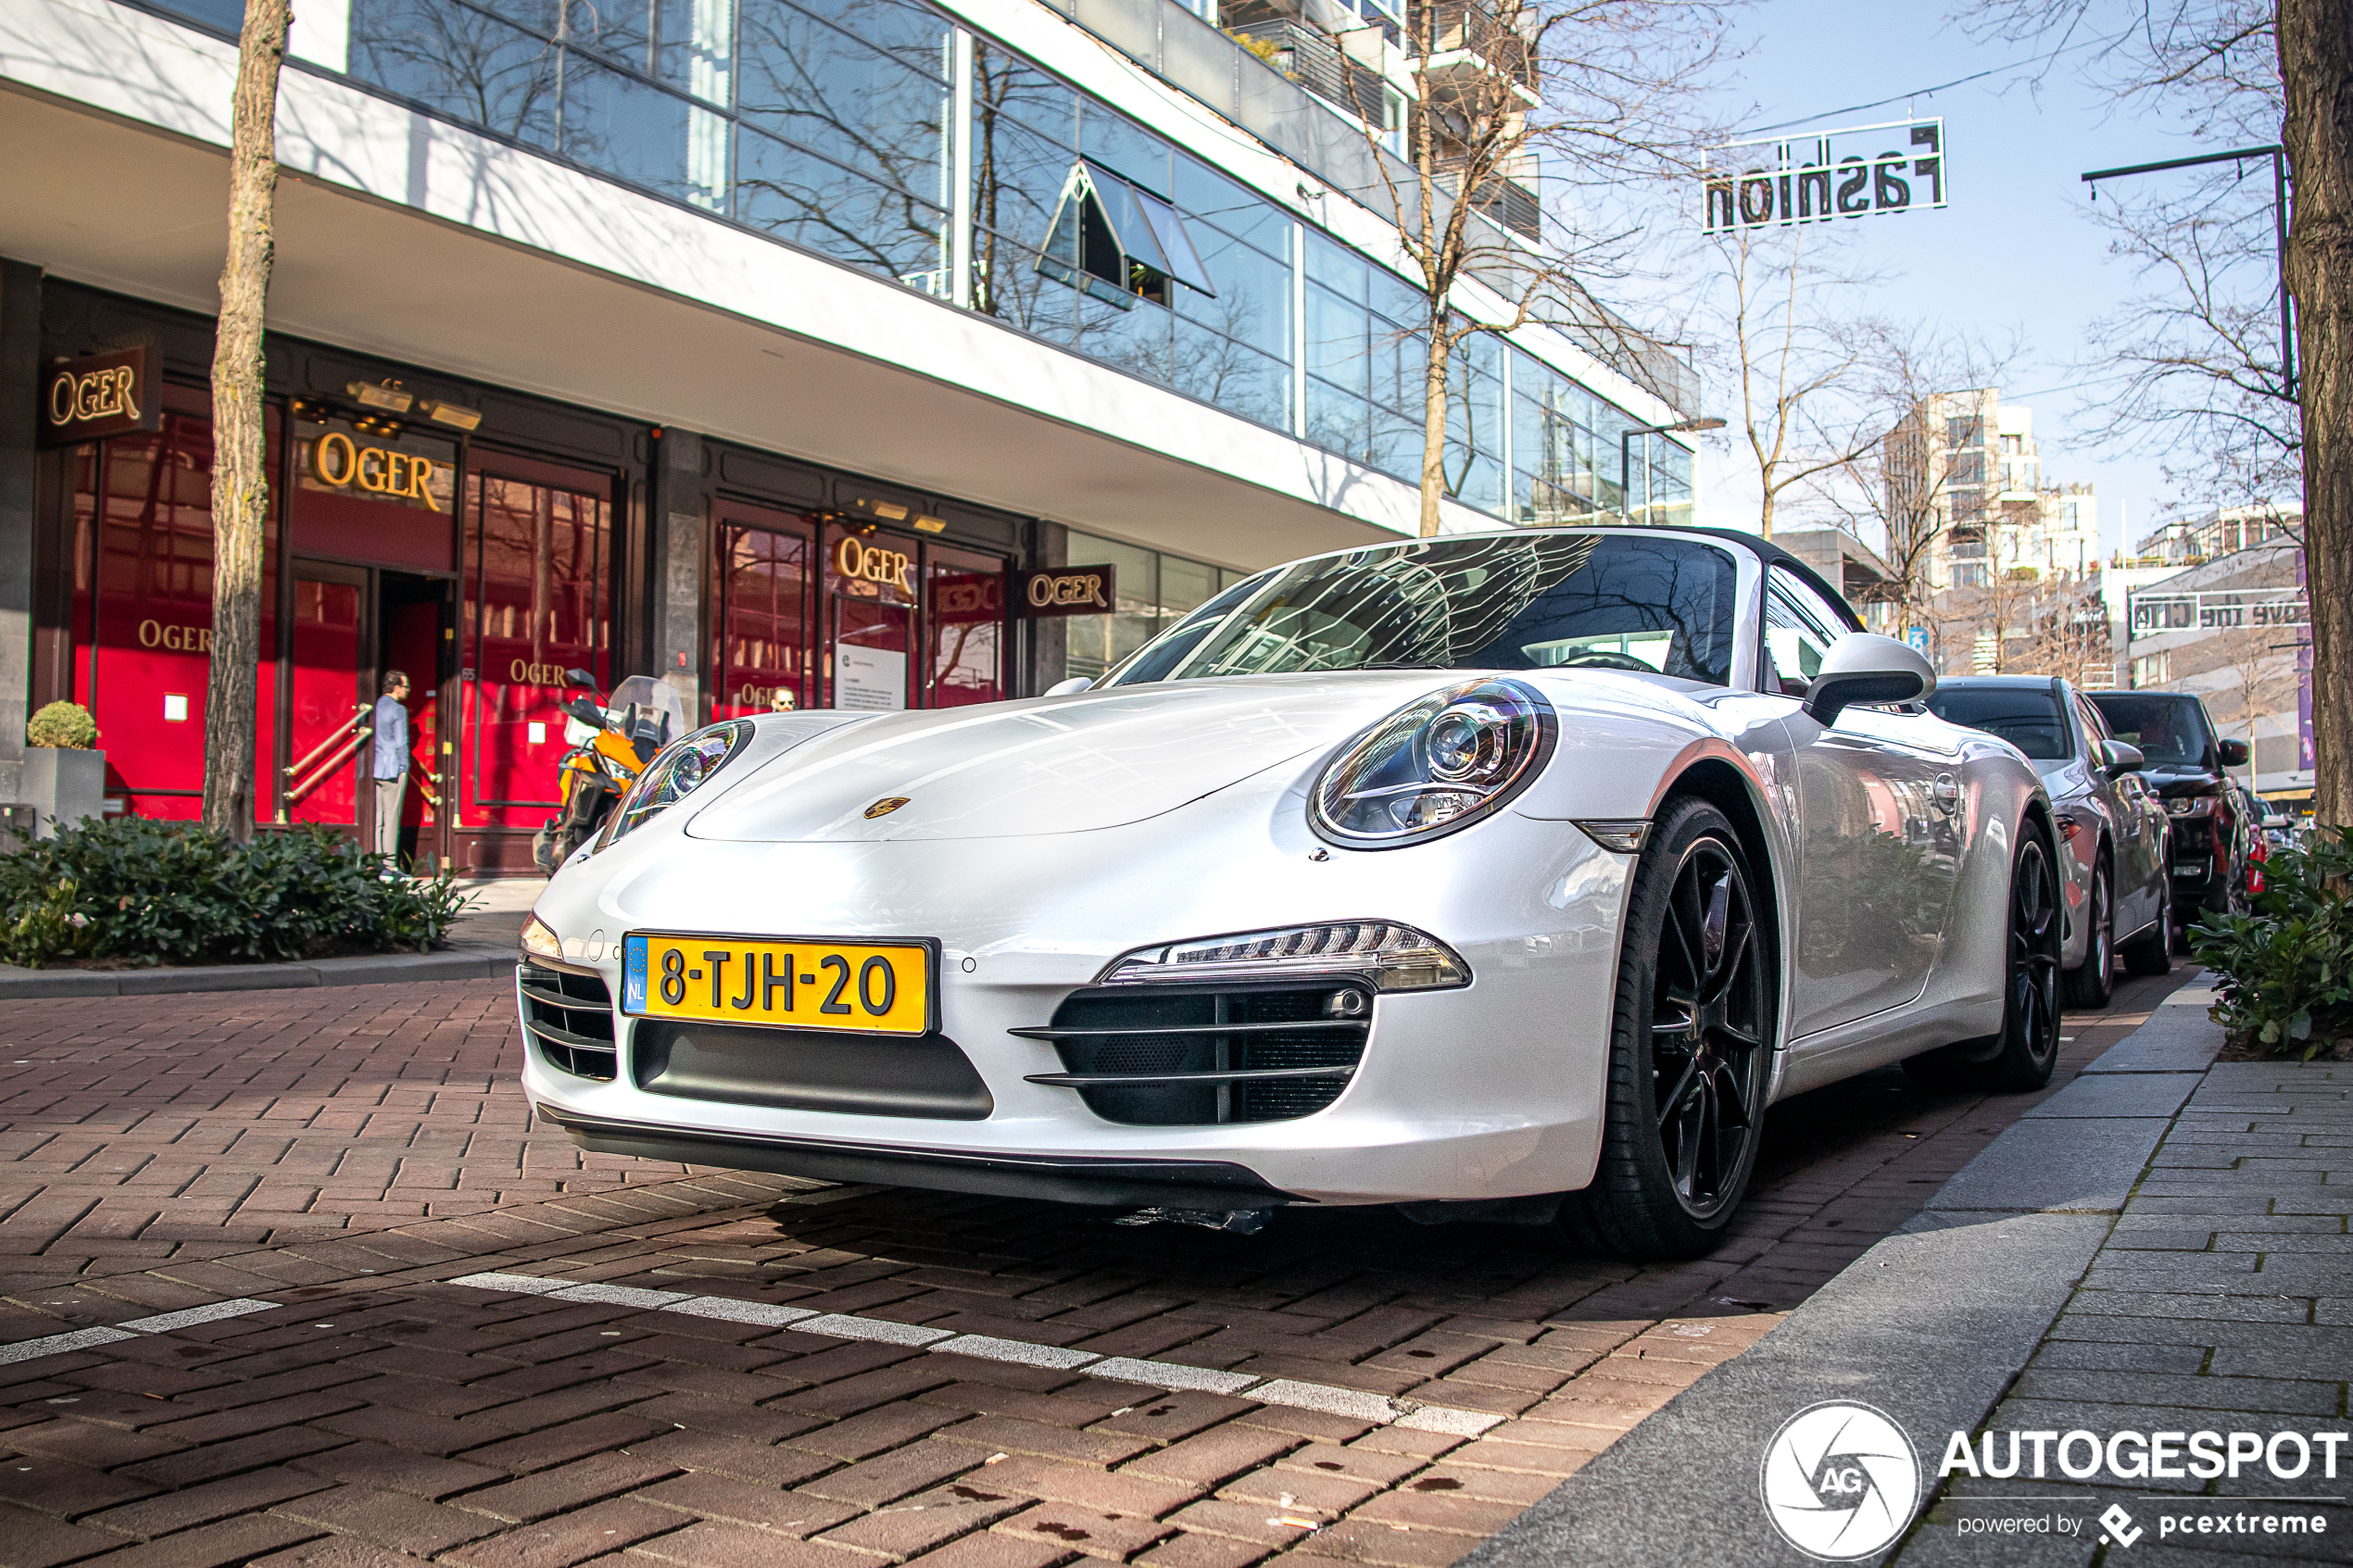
2091,983
2030,982
1689,1049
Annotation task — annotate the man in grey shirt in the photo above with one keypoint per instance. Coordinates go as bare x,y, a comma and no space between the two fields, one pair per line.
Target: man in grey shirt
391,761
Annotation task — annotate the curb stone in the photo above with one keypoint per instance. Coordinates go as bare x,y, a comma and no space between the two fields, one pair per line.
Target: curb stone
1932,1325
361,969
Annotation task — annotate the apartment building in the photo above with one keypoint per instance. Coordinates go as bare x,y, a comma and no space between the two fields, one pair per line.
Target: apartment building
759,345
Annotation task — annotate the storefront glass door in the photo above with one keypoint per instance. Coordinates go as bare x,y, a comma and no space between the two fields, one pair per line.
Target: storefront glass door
765,589
533,605
328,685
870,591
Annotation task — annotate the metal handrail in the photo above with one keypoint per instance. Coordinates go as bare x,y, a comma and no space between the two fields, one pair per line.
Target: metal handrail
358,722
351,746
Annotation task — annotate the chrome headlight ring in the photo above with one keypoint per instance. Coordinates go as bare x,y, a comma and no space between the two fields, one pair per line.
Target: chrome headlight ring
684,766
1435,766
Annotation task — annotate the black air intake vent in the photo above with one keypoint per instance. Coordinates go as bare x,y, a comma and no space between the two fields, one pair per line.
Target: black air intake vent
1174,1055
569,1018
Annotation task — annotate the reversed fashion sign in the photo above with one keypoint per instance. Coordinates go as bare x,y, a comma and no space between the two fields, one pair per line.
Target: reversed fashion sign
1862,170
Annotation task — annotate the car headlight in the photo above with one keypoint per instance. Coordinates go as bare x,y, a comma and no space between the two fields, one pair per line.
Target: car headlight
683,768
1394,956
2191,805
1435,765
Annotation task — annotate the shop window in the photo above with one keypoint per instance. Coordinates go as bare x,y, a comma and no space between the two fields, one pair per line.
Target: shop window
765,631
538,555
870,593
142,612
965,605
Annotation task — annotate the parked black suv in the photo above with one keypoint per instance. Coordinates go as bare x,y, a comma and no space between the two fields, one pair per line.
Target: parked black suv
2184,764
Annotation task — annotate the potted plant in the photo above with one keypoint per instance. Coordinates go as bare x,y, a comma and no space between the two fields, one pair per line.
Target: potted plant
65,776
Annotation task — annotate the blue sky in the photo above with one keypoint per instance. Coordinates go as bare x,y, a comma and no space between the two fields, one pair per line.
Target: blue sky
2011,254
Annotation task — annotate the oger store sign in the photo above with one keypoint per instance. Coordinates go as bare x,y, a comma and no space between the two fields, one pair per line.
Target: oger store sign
98,395
1822,175
1064,590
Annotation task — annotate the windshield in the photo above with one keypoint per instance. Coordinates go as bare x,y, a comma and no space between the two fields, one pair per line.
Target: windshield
2028,718
2168,729
1533,601
661,712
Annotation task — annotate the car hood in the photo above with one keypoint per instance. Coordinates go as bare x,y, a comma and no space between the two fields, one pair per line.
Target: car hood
1050,765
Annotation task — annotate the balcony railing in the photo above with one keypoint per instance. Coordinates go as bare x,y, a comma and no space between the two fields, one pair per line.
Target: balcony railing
1470,29
1310,58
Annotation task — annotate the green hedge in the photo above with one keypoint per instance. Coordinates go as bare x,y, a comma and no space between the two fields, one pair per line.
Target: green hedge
152,893
2285,970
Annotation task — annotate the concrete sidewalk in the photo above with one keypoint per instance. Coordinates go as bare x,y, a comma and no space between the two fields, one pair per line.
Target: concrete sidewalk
2161,1245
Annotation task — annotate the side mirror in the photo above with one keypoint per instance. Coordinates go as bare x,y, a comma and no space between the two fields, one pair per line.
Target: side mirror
580,678
586,712
2235,753
2117,758
1075,684
1863,667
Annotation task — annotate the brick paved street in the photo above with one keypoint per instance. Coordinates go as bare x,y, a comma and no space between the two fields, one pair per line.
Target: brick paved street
345,1153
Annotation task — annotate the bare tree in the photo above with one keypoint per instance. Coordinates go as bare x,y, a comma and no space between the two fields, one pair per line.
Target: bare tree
1596,93
239,449
1805,372
2242,71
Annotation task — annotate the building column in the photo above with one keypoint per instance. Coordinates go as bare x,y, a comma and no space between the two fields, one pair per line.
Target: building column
679,511
20,473
1046,649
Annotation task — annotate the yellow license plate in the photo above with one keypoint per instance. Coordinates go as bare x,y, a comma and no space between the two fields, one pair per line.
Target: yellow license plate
795,983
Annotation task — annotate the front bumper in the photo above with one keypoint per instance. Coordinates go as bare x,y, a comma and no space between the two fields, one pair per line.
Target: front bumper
1493,1090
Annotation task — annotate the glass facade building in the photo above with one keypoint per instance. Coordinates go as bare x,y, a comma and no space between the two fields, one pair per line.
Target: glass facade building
833,125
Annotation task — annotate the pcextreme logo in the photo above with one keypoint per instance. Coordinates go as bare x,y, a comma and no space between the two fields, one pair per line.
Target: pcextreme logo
1839,1481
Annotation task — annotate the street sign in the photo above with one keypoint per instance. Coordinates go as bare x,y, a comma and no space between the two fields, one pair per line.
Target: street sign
1821,175
2221,609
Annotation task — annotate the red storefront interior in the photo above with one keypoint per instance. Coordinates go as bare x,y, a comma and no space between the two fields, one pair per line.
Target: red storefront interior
484,575
828,613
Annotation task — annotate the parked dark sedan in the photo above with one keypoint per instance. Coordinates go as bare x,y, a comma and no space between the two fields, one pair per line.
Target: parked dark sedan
2113,832
2184,760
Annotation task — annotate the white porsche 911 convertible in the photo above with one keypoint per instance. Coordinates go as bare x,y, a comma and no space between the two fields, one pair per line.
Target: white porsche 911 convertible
1506,876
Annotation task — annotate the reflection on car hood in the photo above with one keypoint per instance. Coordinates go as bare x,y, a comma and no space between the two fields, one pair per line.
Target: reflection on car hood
1051,764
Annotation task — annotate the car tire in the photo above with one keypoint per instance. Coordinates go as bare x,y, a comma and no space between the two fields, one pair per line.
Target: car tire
2151,952
2091,983
2019,1058
1697,1006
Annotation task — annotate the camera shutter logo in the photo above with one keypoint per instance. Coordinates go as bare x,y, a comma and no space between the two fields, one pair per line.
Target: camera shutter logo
1839,1481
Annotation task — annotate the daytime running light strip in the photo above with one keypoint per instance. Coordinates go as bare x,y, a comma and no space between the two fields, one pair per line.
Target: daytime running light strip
1352,1403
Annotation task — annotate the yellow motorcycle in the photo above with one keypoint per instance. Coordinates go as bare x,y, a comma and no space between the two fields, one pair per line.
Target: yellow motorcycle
610,744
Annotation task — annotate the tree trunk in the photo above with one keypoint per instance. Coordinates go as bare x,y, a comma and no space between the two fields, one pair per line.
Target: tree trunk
240,451
2316,68
1765,511
1433,430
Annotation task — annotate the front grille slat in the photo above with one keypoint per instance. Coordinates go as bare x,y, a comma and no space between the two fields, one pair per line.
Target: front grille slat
569,1019
1199,1055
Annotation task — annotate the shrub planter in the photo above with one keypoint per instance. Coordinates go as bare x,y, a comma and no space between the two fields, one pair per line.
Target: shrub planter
63,785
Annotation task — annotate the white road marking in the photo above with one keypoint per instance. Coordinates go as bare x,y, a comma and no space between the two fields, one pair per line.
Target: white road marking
1377,1409
161,1323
